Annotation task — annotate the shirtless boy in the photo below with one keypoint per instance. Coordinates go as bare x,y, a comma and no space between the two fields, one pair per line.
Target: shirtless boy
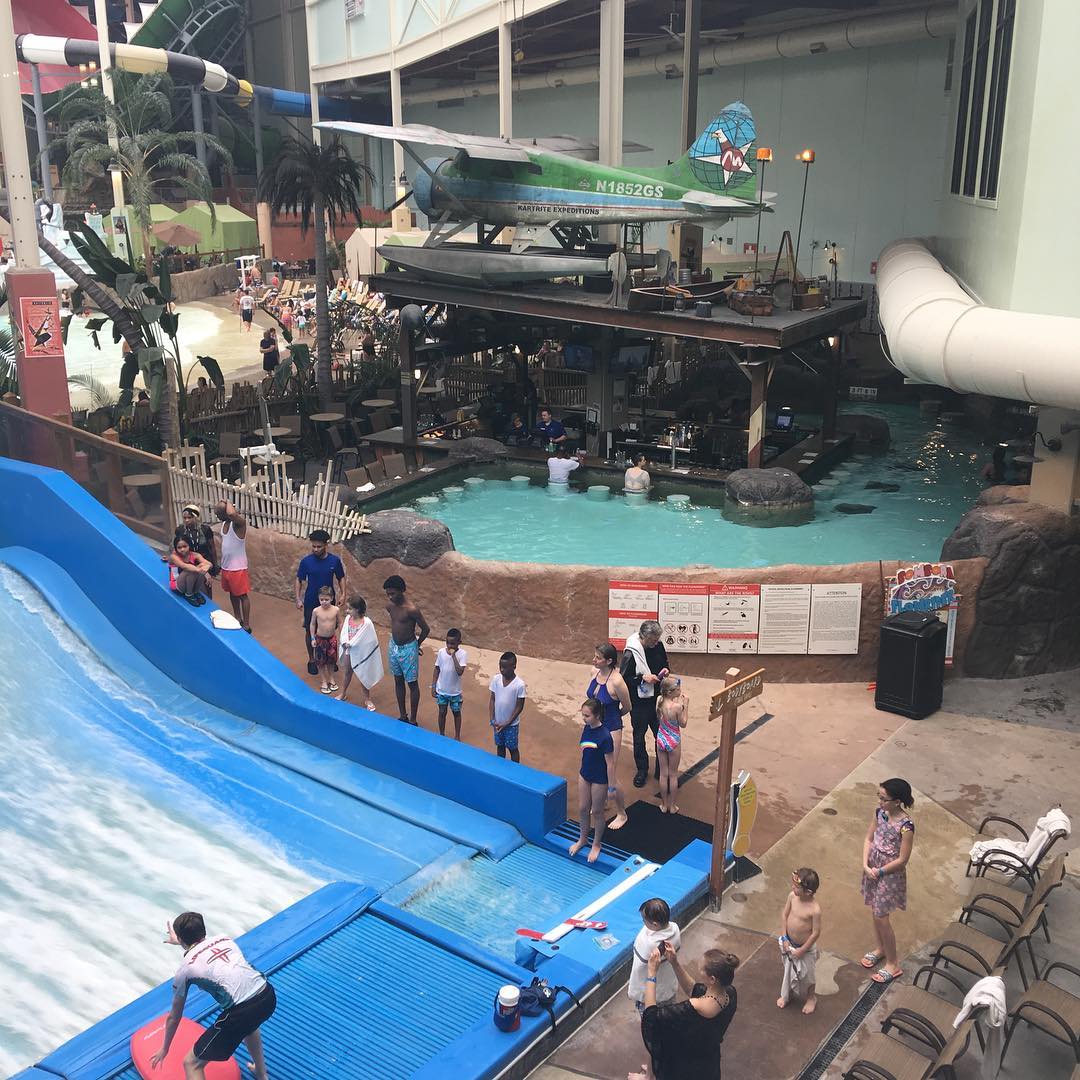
800,928
404,649
325,620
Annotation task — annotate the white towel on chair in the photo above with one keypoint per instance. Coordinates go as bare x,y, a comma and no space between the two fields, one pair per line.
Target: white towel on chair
991,993
1026,850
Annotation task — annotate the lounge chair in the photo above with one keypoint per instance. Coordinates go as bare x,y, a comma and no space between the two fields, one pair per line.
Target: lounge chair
376,472
1008,905
979,953
1050,1008
886,1058
925,1016
1018,856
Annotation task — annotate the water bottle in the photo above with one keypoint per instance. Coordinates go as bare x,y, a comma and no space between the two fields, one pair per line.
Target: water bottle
508,1008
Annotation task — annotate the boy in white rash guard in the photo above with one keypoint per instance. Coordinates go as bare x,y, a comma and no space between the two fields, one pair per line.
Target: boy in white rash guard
217,966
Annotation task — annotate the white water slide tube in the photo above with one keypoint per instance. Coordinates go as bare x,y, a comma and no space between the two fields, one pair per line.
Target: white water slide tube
938,334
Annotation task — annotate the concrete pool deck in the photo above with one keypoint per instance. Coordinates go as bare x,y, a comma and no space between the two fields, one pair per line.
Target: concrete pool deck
1010,748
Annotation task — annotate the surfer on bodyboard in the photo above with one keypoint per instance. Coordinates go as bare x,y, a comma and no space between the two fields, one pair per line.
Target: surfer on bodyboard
247,999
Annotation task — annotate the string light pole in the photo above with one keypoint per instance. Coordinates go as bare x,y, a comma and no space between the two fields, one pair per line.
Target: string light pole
807,157
764,155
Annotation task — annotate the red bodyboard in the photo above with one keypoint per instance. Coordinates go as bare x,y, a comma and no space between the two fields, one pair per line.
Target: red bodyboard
146,1042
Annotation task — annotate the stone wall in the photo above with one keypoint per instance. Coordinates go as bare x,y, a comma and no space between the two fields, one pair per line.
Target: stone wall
1028,607
560,612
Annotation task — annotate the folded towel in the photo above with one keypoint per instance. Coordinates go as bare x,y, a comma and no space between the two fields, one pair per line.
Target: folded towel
1025,851
991,993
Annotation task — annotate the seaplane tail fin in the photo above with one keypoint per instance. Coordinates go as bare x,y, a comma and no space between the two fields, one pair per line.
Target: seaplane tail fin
722,158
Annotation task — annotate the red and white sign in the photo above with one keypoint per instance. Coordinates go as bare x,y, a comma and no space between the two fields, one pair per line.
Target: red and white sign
733,618
684,617
39,326
630,603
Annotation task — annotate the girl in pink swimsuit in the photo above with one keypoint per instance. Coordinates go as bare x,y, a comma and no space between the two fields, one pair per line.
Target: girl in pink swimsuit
671,708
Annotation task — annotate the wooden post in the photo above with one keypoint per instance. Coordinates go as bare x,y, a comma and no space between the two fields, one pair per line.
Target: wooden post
758,371
832,380
114,476
725,705
407,359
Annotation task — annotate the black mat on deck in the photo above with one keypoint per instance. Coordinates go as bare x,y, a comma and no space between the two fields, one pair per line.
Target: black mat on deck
659,837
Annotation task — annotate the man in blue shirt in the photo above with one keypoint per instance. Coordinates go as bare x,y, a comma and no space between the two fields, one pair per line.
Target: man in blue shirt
318,569
549,430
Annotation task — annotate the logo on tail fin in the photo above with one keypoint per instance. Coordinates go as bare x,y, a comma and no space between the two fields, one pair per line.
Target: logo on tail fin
720,151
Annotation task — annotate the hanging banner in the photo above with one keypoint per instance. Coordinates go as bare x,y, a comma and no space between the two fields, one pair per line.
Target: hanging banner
684,615
926,587
733,618
39,327
630,603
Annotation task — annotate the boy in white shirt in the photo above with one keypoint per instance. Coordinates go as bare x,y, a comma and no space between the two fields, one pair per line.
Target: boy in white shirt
446,681
505,704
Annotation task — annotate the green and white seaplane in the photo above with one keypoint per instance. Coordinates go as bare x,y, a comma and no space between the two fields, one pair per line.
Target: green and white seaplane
544,184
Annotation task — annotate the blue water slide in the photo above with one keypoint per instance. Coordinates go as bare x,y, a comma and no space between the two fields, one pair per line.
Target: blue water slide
125,581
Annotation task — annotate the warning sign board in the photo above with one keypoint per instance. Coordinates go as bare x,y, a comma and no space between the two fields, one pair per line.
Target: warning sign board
39,326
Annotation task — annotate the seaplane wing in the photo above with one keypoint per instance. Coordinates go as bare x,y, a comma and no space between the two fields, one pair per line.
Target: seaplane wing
477,147
583,149
726,204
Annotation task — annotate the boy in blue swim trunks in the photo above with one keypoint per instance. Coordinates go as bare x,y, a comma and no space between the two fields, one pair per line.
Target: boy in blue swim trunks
403,650
446,681
504,706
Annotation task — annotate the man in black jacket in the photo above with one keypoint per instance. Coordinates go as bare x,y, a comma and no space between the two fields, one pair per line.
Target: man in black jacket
645,662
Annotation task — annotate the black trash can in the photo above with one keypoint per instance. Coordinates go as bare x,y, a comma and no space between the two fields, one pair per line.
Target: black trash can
911,664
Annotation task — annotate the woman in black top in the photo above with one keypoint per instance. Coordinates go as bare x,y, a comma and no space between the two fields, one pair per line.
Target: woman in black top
200,538
683,1038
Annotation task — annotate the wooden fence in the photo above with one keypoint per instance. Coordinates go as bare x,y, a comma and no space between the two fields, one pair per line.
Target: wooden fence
134,485
265,499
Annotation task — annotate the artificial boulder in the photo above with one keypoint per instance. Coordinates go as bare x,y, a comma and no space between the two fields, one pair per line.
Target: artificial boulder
871,432
408,538
770,489
1027,617
476,448
1004,494
854,508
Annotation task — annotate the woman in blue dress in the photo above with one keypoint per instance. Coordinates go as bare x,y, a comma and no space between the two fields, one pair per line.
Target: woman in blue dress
609,688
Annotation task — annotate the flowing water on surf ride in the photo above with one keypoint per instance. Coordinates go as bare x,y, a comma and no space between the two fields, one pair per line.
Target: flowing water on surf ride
98,845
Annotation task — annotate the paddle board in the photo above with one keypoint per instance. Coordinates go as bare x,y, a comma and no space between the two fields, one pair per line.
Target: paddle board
146,1042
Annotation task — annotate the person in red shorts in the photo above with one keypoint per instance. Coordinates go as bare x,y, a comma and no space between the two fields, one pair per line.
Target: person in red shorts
234,562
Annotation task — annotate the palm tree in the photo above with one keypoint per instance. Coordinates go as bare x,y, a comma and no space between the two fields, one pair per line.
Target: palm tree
150,153
321,183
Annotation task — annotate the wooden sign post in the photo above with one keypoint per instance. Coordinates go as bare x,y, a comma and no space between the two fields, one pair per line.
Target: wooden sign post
725,705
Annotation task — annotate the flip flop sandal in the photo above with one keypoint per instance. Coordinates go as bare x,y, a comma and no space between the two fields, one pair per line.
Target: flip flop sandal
334,687
371,706
325,690
871,959
884,976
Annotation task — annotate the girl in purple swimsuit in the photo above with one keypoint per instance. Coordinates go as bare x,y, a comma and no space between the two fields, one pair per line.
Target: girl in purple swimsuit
609,688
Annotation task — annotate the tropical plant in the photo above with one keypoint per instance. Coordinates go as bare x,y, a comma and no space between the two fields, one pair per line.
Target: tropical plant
101,397
320,183
140,313
149,153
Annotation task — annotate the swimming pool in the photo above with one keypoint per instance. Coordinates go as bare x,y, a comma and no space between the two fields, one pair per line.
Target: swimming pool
97,842
934,464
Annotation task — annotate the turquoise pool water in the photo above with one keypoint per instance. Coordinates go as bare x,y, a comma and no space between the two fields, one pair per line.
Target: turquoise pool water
97,844
935,464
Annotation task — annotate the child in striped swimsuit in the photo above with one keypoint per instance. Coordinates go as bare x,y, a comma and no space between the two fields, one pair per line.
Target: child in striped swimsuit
671,709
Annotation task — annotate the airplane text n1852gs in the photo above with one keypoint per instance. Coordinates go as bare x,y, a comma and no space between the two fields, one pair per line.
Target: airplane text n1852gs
501,182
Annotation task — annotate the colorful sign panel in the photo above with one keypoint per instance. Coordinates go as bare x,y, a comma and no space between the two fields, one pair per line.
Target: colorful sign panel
39,327
733,618
926,587
729,619
630,603
684,617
